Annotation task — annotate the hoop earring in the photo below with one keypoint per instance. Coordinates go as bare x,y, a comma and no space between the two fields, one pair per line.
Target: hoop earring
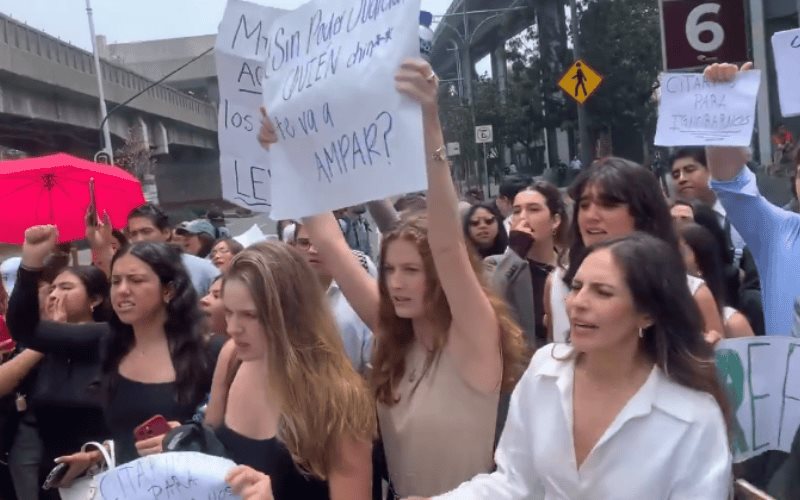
641,333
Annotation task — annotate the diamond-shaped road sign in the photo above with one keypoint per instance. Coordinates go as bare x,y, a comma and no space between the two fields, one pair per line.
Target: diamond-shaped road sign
580,81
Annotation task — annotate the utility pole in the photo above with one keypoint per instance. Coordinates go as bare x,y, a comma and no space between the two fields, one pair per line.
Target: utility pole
760,61
107,145
585,152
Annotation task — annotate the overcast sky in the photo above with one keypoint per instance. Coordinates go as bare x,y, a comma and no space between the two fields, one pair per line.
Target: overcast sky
136,20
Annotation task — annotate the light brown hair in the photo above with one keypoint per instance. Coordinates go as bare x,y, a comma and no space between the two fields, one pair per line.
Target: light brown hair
397,334
322,398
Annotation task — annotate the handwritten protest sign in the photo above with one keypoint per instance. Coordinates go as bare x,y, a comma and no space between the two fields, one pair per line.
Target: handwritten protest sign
761,376
696,112
345,135
168,475
786,46
239,53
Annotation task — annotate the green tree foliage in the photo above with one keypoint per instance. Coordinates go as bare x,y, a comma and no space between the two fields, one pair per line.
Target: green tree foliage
620,39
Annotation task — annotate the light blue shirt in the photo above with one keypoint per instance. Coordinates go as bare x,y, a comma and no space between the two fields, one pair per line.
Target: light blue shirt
357,338
201,271
773,236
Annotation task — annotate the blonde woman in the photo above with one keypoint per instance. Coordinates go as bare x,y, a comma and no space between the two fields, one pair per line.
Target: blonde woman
285,401
445,345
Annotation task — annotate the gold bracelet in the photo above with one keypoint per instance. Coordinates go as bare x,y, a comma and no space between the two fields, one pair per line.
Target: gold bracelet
439,154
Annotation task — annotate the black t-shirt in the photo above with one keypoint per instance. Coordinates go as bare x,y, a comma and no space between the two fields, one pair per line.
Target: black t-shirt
539,274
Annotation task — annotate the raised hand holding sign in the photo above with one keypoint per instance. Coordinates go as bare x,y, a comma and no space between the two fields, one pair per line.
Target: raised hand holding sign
345,136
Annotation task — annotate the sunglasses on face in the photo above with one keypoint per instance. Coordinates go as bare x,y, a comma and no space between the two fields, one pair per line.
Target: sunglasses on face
486,221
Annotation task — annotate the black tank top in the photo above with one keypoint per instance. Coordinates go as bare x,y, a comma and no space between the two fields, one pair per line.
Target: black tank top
271,457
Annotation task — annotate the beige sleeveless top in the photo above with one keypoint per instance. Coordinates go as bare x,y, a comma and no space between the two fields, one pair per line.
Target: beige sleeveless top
440,435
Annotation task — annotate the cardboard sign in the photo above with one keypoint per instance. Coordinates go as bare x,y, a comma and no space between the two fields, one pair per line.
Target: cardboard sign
166,476
696,112
239,54
345,135
786,46
762,378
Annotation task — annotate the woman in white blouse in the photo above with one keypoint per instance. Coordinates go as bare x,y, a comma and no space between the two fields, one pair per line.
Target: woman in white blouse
632,408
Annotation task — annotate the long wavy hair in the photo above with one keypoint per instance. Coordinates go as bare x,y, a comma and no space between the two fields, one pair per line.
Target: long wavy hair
655,275
322,397
397,334
622,182
183,326
707,255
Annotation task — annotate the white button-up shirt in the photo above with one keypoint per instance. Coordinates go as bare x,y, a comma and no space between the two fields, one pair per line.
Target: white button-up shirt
668,442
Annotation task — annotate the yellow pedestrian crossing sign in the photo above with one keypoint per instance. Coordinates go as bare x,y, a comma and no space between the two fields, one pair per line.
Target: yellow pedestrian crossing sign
580,81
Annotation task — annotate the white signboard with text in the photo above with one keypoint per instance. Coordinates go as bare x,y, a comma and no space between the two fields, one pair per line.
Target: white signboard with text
786,46
345,135
168,475
761,376
696,112
240,52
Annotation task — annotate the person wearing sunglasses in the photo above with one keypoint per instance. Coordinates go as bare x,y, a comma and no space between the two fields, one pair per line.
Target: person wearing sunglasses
483,227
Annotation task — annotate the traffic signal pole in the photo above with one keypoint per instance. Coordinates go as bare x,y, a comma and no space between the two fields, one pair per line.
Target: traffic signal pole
585,151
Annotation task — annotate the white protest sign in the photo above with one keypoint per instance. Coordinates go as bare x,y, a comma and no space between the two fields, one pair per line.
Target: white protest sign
345,135
251,236
239,52
786,46
696,112
761,376
166,476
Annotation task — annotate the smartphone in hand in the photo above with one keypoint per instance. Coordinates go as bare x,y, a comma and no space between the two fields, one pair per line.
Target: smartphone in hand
156,426
55,476
92,217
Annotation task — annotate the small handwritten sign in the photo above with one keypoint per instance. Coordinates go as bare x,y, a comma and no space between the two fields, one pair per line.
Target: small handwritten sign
239,54
761,376
168,476
696,112
786,46
345,135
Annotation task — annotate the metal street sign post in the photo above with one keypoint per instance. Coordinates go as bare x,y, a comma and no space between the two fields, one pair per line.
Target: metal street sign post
484,134
696,33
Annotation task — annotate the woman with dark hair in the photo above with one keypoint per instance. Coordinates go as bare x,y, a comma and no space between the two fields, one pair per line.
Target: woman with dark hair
742,284
65,398
701,254
539,228
613,198
150,358
632,408
483,228
223,252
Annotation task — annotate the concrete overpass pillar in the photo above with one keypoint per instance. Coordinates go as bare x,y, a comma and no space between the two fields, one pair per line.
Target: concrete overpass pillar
500,69
160,139
144,130
467,68
500,74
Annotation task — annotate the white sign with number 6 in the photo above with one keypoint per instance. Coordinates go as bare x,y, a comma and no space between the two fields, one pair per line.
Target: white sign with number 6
695,27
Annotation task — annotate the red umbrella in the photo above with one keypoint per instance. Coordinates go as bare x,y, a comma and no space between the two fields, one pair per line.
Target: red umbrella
54,189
